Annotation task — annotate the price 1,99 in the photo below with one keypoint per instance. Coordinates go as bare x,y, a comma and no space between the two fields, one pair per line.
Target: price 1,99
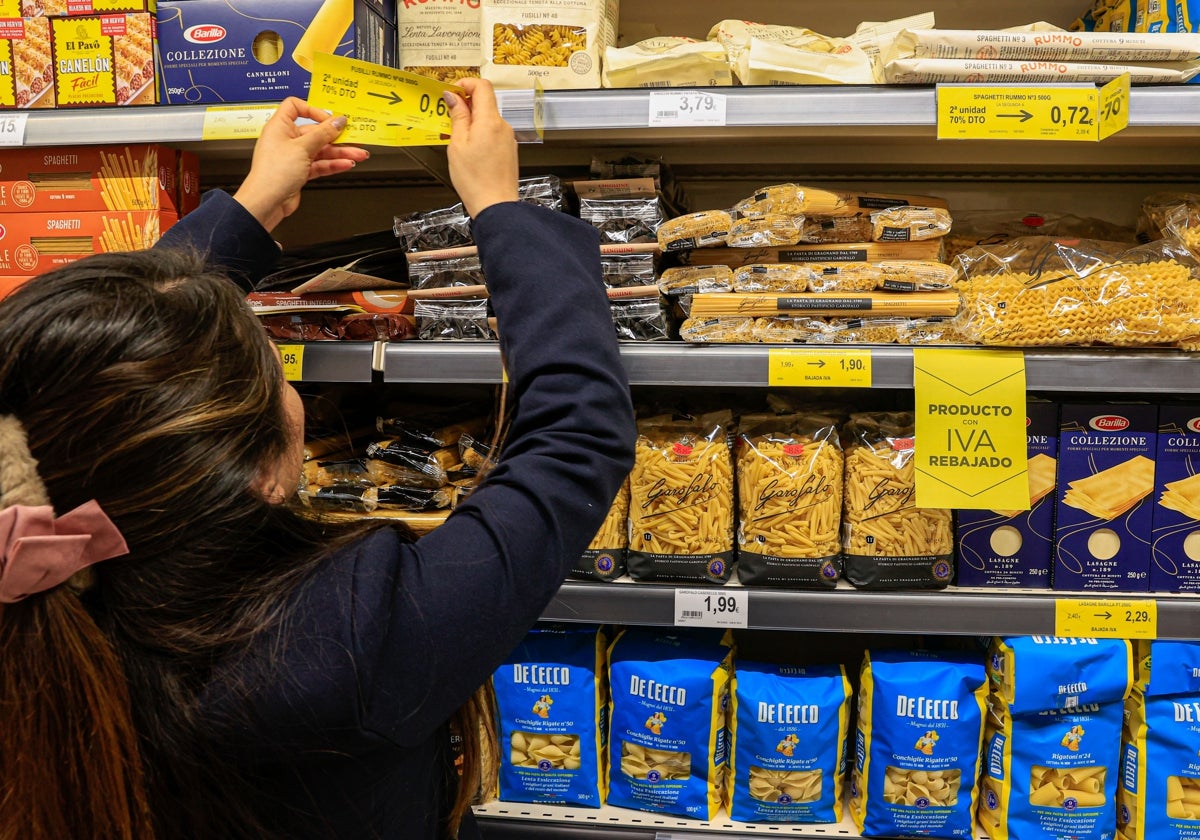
727,607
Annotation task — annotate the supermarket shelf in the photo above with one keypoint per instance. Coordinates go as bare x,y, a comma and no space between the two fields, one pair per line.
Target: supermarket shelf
672,363
336,361
955,610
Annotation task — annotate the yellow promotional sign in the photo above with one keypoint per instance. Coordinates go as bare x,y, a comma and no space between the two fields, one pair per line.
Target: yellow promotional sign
385,107
813,367
235,122
1032,112
1106,618
971,451
292,356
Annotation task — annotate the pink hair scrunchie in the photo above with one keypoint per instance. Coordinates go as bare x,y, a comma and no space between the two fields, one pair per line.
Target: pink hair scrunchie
39,551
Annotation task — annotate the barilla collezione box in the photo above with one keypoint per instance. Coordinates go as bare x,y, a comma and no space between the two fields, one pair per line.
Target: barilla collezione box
1175,545
104,60
1105,483
137,176
240,51
1015,547
26,63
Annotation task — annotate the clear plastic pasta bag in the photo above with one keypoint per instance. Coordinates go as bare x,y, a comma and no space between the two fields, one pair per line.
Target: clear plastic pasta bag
444,274
731,329
627,270
789,478
1153,220
604,558
431,230
624,220
441,319
640,319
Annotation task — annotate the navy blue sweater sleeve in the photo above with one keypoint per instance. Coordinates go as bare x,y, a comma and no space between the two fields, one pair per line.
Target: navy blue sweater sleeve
227,235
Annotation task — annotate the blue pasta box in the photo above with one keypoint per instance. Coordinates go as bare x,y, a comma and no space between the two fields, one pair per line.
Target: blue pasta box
262,50
1014,548
1175,546
1106,474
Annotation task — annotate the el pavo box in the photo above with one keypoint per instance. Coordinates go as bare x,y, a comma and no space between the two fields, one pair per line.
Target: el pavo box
26,63
105,59
238,51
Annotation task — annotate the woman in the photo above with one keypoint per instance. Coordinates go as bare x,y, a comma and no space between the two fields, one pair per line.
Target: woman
241,671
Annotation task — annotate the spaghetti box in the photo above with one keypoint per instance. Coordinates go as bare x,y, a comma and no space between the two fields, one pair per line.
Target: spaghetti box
137,176
104,60
188,181
239,51
1105,484
26,63
31,243
1175,547
1014,547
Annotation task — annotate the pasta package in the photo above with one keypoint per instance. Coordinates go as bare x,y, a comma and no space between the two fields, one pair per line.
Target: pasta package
788,743
556,44
439,40
604,558
907,224
550,708
666,62
886,275
789,477
800,201
695,230
1175,522
1051,774
729,329
681,500
1159,793
1104,510
1175,666
1037,44
764,231
888,542
1030,673
804,252
766,54
668,740
920,728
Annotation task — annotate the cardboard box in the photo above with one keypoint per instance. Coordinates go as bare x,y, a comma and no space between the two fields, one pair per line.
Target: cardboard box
32,243
1175,546
188,181
138,176
238,51
73,8
104,60
1105,496
1014,548
26,63
10,284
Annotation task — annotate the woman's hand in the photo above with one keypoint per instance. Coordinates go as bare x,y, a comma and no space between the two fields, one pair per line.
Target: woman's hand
483,149
287,156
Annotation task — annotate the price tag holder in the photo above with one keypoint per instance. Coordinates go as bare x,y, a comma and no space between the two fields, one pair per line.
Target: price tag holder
12,128
385,107
235,122
686,107
1106,618
712,607
1032,112
813,367
292,356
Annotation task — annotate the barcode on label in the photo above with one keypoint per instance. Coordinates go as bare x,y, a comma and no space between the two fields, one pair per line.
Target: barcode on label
691,614
666,115
656,84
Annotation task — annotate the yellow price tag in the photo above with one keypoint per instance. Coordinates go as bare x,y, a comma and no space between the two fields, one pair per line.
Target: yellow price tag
385,107
800,366
292,356
1032,112
1106,618
235,122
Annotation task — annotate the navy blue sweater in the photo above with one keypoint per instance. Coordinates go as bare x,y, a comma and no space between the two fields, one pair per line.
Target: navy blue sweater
351,693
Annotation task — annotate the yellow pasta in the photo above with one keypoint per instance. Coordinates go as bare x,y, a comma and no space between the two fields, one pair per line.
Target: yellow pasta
1067,788
774,277
613,531
639,762
768,785
902,786
536,45
1183,797
448,74
545,751
909,224
765,231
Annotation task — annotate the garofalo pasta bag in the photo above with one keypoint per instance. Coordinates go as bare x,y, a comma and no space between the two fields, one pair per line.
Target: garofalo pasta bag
789,475
604,558
1043,673
889,542
668,739
1158,797
550,712
681,500
789,729
920,727
1051,773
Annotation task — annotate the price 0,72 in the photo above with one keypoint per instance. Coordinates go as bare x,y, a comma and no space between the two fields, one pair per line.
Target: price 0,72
720,604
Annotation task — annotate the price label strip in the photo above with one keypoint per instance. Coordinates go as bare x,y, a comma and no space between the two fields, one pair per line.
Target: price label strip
385,107
292,356
1106,618
1033,112
235,122
810,366
686,108
12,128
712,607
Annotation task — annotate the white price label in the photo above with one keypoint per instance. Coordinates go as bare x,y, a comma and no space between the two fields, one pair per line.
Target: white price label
712,607
686,107
12,129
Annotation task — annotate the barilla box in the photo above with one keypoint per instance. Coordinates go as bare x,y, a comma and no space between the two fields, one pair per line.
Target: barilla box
1015,547
1105,485
104,60
238,50
26,63
1175,542
31,243
137,176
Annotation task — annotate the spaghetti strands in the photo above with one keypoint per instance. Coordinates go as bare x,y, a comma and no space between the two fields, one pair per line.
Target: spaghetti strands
789,471
681,500
604,558
889,542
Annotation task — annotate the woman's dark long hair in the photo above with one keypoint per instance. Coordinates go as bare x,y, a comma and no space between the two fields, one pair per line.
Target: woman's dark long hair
145,383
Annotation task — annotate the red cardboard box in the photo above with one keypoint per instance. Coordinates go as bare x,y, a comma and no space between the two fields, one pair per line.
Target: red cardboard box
31,243
137,176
